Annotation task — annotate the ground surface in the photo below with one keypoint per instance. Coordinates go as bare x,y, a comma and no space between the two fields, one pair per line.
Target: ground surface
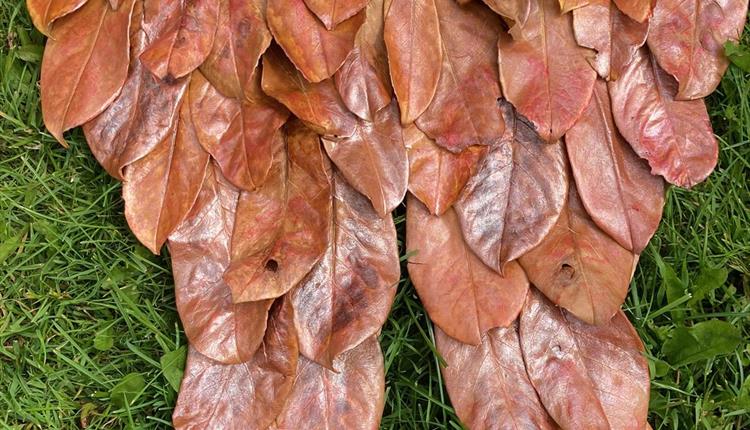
87,314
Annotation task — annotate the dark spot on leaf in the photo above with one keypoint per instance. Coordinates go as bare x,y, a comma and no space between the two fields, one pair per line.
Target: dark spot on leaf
272,265
567,271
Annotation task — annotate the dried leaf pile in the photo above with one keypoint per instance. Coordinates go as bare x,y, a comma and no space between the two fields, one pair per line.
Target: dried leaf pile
267,142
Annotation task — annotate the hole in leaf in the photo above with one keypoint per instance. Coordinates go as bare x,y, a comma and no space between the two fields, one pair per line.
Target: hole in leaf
567,271
272,265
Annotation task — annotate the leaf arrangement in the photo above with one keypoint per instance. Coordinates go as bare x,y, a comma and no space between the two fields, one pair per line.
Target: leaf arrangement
267,143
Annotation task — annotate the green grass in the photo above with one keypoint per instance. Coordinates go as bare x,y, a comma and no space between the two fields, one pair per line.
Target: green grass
71,273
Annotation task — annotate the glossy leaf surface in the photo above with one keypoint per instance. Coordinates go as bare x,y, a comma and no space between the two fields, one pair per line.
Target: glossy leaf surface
579,267
412,38
282,228
314,50
347,296
374,161
515,197
85,65
488,385
638,10
245,395
545,74
687,38
592,377
334,12
219,329
615,186
674,136
44,12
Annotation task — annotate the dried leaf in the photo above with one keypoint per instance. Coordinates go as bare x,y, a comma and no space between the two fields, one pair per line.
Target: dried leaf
314,50
351,397
639,10
545,74
515,11
516,196
160,188
85,65
317,104
436,176
570,5
347,296
412,38
463,297
282,228
245,395
687,39
488,385
674,136
334,12
186,42
579,267
44,12
588,377
374,161
216,327
615,186
464,110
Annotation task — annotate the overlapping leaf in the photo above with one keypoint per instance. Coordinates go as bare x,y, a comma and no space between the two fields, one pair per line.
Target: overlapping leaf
44,12
516,13
638,10
334,12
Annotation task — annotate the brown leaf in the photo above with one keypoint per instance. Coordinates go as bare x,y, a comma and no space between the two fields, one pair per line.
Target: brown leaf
374,161
412,38
588,377
317,104
241,38
614,36
160,188
674,136
545,74
464,110
687,38
462,296
351,397
44,12
436,176
186,42
488,385
334,12
238,134
363,80
199,247
615,186
85,65
579,267
347,296
282,228
314,50
516,196
570,5
248,395
515,11
639,10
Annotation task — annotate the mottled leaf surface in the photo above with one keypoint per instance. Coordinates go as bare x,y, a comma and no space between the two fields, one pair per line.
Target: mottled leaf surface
334,12
639,10
44,12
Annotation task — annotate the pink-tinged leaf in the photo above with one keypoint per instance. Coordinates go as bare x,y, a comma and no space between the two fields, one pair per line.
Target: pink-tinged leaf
114,4
315,51
488,385
516,13
347,296
614,36
374,161
436,176
579,267
639,10
85,65
674,136
318,105
363,80
334,12
351,397
160,188
464,111
241,38
687,38
44,12
412,39
516,196
199,247
570,5
282,228
185,43
463,296
615,186
545,74
588,377
238,134
248,395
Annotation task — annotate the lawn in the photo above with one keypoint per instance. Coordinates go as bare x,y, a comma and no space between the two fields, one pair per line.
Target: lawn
87,314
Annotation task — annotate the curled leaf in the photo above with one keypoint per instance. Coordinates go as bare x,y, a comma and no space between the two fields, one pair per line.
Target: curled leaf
44,12
638,10
516,13
334,12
